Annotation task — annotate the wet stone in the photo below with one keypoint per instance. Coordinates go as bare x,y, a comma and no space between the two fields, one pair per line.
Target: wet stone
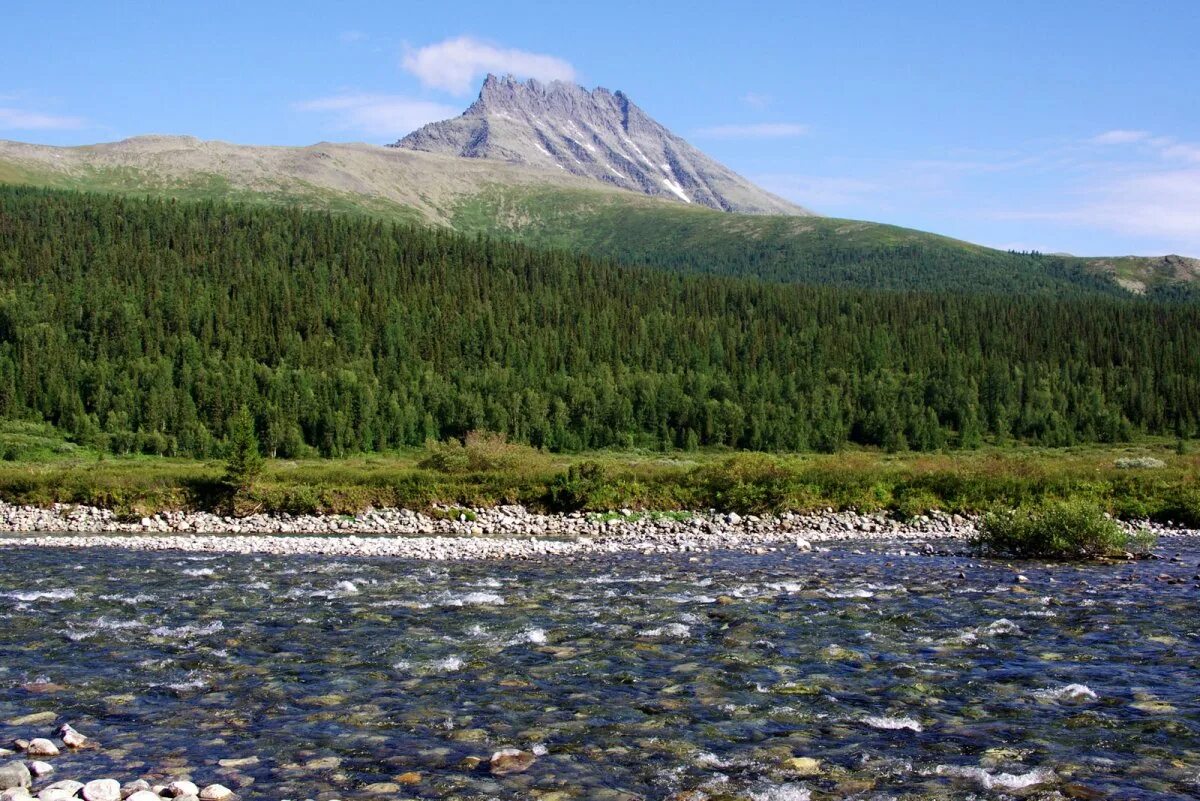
102,790
14,774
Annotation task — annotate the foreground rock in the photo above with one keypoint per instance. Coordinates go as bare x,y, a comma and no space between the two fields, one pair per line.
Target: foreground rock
14,774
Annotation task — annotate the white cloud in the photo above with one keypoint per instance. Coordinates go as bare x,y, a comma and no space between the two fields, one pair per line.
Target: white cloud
756,100
350,37
454,65
762,130
14,119
1151,192
378,115
1120,137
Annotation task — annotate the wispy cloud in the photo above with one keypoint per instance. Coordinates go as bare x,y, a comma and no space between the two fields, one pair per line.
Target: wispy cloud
350,37
377,114
762,130
16,119
1135,182
1119,137
454,65
756,100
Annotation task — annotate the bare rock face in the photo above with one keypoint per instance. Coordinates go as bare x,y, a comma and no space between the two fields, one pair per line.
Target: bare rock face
599,134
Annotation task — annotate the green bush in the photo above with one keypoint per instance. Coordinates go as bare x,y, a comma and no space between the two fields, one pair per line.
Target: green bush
575,489
478,452
747,482
1056,530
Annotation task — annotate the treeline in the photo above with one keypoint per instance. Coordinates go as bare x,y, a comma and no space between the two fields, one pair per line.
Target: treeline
145,325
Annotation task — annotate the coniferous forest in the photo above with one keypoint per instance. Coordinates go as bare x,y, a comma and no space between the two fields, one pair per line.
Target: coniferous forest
146,325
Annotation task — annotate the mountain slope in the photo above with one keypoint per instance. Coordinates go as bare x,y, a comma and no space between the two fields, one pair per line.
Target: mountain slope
600,135
137,324
550,207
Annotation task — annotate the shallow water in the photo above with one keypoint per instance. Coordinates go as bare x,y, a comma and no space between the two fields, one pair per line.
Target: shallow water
630,678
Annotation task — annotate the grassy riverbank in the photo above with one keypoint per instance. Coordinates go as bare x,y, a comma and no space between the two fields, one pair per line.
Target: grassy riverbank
41,470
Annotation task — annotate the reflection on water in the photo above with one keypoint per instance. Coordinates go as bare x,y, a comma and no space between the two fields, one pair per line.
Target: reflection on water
835,675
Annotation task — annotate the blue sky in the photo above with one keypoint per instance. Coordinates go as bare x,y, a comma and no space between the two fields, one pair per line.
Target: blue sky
1058,126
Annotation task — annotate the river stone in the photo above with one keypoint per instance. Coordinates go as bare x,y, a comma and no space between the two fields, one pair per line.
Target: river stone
53,794
142,795
182,788
41,747
34,719
511,760
382,788
15,774
15,794
70,737
102,790
215,792
40,769
129,788
68,785
804,766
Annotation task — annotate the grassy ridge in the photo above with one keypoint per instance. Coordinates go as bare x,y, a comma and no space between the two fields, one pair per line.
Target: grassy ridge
492,473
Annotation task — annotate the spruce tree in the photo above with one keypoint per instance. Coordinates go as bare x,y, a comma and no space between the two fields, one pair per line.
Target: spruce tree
244,463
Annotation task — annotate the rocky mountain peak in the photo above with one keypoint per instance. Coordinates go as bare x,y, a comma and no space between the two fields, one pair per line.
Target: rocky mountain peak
596,133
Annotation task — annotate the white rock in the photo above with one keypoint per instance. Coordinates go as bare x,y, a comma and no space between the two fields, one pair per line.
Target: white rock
40,769
41,747
102,790
215,792
143,795
179,788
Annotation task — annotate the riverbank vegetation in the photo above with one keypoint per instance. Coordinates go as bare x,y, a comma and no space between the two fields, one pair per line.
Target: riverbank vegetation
487,470
1058,530
144,326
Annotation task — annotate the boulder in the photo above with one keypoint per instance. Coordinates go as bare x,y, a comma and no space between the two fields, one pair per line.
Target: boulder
215,792
129,788
102,790
14,774
181,788
70,737
41,747
40,769
143,795
511,760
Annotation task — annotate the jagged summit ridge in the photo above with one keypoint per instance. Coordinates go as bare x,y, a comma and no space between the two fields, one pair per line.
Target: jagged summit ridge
597,134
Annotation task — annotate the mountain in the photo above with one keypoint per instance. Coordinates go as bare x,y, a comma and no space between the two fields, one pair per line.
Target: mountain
600,135
553,208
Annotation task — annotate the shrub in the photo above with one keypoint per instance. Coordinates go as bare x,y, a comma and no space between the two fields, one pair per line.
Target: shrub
575,489
747,482
1056,530
478,452
1139,463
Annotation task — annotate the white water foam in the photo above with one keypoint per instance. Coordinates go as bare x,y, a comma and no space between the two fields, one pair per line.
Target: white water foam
893,724
998,781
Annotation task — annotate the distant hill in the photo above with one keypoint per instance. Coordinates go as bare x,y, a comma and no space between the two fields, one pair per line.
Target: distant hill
600,135
551,207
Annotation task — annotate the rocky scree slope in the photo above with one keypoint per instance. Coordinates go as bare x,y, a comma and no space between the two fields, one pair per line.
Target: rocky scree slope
600,135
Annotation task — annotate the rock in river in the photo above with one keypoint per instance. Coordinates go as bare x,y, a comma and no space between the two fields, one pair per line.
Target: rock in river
180,789
102,790
70,737
14,774
511,760
215,792
41,747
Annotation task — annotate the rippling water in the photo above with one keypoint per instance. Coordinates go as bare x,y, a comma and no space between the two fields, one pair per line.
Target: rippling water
904,676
